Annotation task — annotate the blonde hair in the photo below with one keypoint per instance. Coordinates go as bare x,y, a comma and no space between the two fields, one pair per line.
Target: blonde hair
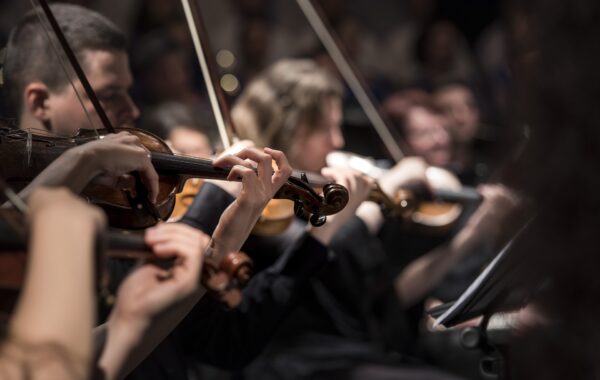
284,102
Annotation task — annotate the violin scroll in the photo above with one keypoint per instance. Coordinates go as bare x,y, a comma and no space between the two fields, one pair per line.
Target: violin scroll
225,280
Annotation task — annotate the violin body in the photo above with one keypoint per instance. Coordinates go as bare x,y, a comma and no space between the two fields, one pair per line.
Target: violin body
184,200
223,278
116,202
25,155
432,212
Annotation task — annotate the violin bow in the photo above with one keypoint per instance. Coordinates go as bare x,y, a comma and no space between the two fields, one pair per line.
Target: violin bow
209,72
141,198
332,43
13,198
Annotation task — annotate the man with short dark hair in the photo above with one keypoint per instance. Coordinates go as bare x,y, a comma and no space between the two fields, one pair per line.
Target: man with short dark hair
39,90
44,99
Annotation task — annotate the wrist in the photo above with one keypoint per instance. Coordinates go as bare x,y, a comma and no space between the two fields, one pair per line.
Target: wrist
464,241
53,217
85,161
126,330
122,337
371,215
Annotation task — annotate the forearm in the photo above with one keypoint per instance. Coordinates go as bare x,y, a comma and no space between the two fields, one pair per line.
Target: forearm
235,225
424,273
60,270
371,215
73,169
126,343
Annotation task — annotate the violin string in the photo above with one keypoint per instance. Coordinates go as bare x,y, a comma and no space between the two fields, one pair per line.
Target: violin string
37,9
211,87
13,198
29,146
366,101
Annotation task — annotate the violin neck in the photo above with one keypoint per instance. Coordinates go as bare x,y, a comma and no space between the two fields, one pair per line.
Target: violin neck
187,167
315,180
126,241
464,195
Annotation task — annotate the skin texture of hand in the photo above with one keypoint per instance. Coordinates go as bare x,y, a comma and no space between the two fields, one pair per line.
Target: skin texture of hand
499,203
107,161
116,155
424,273
150,290
260,182
410,171
232,187
358,187
151,300
54,332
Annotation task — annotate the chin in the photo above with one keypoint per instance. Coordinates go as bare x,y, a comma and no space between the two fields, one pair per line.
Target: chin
441,160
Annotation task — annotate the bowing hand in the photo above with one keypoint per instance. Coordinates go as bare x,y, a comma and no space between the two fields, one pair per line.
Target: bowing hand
116,155
151,290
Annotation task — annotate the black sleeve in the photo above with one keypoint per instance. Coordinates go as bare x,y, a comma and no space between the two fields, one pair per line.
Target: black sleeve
208,205
371,288
231,338
354,240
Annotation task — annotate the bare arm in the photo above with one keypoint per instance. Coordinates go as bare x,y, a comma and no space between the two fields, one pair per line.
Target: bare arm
47,323
424,273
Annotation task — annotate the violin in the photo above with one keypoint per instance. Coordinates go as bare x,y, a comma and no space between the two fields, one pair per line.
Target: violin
279,212
224,279
184,200
434,210
25,155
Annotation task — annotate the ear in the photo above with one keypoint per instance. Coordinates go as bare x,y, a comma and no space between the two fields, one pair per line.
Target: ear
35,101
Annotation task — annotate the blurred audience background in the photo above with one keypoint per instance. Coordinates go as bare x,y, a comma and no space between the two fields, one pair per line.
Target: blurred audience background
452,51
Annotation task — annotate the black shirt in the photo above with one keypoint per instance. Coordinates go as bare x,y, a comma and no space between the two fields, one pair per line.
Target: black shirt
230,338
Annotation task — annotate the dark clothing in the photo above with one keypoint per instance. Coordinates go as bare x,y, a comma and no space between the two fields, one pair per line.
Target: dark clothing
230,338
349,316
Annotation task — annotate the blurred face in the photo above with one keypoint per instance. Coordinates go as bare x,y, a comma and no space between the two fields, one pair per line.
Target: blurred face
427,137
109,75
310,153
458,105
190,142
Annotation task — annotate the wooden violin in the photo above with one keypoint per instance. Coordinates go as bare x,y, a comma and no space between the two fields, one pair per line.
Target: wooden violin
434,211
224,279
24,156
279,213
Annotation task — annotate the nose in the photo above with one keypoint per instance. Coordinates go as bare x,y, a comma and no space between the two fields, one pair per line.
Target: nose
442,137
337,138
130,111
